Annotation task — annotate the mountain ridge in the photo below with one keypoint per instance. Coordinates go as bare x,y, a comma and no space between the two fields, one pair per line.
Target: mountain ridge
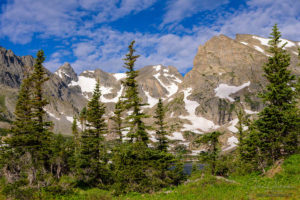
226,73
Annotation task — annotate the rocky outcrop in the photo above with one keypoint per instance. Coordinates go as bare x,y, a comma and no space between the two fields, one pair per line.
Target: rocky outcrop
66,73
13,68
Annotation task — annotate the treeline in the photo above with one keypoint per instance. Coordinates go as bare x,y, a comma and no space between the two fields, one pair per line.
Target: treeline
33,159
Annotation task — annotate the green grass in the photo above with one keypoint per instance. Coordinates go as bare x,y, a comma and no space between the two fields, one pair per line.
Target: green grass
285,185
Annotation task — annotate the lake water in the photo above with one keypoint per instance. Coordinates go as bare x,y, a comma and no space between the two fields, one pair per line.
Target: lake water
188,167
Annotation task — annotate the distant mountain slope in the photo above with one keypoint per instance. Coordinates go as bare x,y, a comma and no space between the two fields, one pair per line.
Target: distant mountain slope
227,73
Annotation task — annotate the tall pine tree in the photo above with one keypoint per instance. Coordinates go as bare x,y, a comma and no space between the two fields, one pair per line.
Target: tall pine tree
132,101
117,119
91,162
161,132
275,132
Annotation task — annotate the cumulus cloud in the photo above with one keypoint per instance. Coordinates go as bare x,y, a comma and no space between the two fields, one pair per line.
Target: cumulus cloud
24,18
103,47
261,15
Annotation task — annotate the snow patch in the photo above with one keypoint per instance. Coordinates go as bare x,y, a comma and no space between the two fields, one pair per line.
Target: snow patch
250,112
197,122
187,144
176,136
86,84
171,99
60,73
259,49
172,114
265,41
150,100
157,67
105,90
232,142
152,136
119,76
232,127
176,79
245,43
172,88
51,114
69,118
196,152
115,99
223,90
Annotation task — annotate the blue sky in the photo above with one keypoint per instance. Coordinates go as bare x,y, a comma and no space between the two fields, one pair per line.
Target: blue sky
95,33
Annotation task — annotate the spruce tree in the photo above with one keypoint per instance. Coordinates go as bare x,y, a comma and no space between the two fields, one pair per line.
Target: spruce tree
275,132
117,119
243,122
21,142
75,134
211,140
29,145
161,132
41,133
132,101
23,126
91,164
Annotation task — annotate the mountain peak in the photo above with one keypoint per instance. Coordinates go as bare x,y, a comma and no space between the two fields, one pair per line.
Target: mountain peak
66,73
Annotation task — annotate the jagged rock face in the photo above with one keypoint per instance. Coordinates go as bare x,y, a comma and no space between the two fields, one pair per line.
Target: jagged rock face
12,67
221,75
227,73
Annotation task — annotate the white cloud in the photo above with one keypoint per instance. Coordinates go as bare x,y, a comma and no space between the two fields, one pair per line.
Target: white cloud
103,47
261,15
24,18
177,10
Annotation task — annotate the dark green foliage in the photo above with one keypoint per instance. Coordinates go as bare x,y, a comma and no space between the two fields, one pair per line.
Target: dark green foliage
132,101
117,119
211,155
76,135
275,134
138,168
161,132
62,160
28,149
91,162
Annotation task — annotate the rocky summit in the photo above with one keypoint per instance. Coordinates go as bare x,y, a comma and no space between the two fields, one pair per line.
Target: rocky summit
227,73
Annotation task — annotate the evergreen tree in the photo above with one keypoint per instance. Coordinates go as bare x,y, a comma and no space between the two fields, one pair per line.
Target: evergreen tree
28,150
210,157
117,119
275,132
41,133
82,118
161,132
243,122
132,101
21,143
91,164
75,133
